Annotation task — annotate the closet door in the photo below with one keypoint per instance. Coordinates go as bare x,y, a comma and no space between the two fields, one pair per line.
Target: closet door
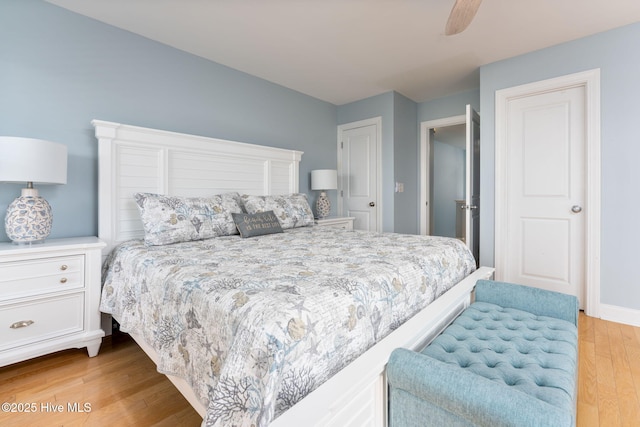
542,214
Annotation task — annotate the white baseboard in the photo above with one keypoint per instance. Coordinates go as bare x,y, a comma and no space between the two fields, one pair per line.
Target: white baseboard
618,314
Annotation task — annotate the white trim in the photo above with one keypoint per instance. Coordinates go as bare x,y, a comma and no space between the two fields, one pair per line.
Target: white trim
425,150
614,313
590,80
377,121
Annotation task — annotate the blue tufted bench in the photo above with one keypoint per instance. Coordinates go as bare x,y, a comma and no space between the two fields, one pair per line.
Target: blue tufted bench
510,359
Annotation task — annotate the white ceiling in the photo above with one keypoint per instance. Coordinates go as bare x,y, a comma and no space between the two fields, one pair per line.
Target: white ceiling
345,50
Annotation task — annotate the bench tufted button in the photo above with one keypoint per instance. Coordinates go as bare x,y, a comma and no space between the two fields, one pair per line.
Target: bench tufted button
510,381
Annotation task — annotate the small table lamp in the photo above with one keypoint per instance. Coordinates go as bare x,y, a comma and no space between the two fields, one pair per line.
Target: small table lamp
29,218
323,180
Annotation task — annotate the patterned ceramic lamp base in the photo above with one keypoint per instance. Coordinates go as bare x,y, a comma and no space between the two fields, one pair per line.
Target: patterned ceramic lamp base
323,205
28,220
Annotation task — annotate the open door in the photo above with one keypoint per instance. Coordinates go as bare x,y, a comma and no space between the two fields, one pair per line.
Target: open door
462,132
472,184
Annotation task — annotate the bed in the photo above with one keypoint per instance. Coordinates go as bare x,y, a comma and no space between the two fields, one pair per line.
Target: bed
276,329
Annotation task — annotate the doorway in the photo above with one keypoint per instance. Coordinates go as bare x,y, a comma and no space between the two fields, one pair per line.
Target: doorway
450,178
447,181
359,168
427,137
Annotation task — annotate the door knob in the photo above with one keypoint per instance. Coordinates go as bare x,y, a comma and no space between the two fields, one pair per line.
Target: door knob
372,204
576,209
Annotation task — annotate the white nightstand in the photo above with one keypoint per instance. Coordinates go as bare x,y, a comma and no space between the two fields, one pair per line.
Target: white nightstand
346,222
49,298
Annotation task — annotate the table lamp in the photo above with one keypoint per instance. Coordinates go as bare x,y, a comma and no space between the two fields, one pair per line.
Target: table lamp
28,219
323,180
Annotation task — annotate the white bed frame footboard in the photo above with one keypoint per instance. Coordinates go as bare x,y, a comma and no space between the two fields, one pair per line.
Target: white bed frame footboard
135,159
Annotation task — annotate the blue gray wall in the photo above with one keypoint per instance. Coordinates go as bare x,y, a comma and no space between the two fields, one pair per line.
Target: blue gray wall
449,106
399,155
60,70
448,186
616,54
377,106
406,165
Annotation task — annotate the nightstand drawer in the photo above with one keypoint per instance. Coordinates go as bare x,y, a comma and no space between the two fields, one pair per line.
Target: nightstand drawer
40,275
343,223
39,320
340,225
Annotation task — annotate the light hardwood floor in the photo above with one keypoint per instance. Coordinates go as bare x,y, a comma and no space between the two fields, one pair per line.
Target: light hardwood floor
121,384
123,388
609,374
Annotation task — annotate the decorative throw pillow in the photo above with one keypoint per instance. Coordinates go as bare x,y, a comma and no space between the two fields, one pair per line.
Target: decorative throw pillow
257,224
292,210
172,219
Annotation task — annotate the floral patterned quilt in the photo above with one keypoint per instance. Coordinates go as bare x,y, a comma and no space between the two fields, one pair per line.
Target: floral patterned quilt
256,324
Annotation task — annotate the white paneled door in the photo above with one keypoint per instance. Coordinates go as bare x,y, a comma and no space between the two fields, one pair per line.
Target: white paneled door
544,190
358,158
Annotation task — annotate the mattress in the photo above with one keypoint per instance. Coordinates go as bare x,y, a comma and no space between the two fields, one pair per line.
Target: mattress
255,324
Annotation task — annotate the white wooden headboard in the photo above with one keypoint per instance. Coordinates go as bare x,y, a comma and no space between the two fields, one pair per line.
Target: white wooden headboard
136,159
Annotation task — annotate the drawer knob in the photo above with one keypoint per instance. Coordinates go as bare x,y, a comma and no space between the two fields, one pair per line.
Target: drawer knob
63,267
63,280
21,324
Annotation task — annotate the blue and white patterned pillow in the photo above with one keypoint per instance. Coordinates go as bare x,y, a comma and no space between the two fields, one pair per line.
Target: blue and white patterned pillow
172,219
292,210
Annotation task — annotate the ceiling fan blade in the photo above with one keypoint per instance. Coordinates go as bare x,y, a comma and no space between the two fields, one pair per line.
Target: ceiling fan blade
461,16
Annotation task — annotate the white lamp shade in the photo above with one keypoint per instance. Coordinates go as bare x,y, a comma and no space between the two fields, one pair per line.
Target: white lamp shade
324,179
32,160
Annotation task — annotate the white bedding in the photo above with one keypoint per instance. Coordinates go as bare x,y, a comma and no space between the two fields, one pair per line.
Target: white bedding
255,324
